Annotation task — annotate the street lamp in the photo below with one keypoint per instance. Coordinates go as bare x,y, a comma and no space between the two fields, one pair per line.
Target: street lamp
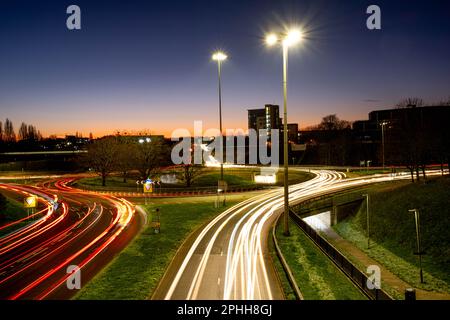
383,123
286,40
367,219
419,253
219,57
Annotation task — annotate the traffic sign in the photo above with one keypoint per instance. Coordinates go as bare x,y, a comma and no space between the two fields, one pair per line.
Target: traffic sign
30,202
148,187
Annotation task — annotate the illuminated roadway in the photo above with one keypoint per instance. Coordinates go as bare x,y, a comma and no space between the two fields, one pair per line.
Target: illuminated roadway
85,230
228,258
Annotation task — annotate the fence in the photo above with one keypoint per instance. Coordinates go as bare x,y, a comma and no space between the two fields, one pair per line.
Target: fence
359,278
176,192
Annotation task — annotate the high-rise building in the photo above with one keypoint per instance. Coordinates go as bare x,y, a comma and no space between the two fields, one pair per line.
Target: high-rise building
273,120
267,118
293,132
256,119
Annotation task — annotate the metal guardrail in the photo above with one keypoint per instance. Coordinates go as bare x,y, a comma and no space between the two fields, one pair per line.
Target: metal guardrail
175,192
358,277
328,195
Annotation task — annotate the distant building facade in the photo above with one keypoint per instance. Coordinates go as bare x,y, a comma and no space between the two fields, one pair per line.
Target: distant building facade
412,134
267,118
293,132
273,120
256,119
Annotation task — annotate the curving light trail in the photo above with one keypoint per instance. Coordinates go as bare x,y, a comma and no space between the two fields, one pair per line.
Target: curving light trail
83,229
228,259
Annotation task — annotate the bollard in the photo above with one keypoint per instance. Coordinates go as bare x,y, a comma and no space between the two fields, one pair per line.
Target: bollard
410,294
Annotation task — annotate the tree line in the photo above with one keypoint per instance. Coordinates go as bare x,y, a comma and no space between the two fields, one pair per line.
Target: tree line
125,154
417,141
135,156
27,132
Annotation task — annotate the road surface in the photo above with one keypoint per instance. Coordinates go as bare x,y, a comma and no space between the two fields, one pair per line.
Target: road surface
228,258
82,230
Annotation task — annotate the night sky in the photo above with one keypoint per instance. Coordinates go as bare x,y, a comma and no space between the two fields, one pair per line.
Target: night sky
147,64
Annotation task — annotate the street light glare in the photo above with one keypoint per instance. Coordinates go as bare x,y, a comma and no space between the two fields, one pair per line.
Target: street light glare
219,56
293,37
271,39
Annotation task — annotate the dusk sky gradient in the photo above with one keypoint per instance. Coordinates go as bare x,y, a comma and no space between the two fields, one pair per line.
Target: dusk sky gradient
139,65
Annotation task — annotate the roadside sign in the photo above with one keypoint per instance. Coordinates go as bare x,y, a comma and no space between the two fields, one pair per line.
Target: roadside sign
222,186
148,187
30,202
156,225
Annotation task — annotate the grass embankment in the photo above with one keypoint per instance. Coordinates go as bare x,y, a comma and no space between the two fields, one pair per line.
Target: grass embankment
392,228
11,210
354,173
136,271
235,177
317,277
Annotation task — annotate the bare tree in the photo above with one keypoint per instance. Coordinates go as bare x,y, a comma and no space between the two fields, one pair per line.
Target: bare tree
415,146
150,155
1,131
23,132
8,132
333,148
28,133
102,157
189,173
444,102
411,102
332,122
126,151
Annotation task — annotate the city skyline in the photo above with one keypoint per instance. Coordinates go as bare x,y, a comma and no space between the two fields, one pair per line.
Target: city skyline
141,66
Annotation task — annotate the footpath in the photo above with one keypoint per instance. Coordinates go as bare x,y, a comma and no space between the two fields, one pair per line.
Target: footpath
387,277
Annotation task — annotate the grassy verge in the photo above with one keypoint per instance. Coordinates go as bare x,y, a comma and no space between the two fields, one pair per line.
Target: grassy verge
11,210
393,231
317,277
136,271
287,289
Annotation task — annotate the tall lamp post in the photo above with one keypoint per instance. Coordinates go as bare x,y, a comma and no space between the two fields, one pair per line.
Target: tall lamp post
367,219
219,57
286,40
419,253
383,123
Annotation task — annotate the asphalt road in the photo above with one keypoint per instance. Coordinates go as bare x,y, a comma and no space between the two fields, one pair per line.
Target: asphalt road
228,258
85,231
